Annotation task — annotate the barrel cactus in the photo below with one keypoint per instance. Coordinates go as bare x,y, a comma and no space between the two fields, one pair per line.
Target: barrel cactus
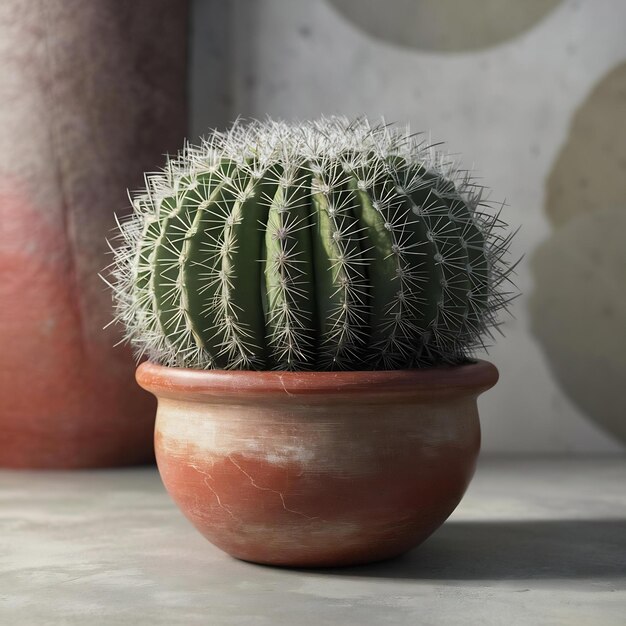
326,245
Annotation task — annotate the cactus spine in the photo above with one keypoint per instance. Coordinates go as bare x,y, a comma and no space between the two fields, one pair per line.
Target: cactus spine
320,246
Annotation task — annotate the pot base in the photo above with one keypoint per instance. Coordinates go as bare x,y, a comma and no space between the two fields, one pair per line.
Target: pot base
329,564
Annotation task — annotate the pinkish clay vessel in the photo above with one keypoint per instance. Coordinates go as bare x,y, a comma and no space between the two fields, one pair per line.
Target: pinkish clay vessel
317,468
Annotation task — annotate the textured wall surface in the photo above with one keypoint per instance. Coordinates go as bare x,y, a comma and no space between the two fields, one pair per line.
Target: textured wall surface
91,95
578,309
530,95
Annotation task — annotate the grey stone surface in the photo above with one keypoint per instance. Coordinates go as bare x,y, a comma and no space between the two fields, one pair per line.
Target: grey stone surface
535,541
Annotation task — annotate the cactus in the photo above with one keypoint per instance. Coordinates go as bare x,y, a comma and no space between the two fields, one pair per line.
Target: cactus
317,246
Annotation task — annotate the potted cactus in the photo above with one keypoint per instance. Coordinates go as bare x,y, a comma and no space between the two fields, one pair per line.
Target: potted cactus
309,298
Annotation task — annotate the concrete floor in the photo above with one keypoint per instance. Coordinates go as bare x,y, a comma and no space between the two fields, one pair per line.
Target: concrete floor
535,541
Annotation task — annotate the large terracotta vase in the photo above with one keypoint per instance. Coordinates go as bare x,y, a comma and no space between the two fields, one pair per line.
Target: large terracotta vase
317,469
92,94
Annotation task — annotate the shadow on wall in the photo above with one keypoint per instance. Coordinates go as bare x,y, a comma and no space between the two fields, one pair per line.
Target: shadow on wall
578,308
444,25
555,549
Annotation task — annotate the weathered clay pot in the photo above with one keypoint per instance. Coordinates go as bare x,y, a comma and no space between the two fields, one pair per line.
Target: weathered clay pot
317,469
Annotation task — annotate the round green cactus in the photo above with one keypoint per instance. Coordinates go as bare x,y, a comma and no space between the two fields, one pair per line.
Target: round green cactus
317,246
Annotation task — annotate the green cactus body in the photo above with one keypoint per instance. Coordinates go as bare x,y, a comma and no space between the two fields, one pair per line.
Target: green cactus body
288,289
198,265
329,245
394,274
340,273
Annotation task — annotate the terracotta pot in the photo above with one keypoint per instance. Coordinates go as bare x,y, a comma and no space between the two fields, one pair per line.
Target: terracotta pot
317,469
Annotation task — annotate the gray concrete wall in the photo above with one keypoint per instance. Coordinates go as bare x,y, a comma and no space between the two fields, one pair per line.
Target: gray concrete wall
533,95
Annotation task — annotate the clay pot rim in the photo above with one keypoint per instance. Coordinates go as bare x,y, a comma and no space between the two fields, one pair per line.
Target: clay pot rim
231,385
